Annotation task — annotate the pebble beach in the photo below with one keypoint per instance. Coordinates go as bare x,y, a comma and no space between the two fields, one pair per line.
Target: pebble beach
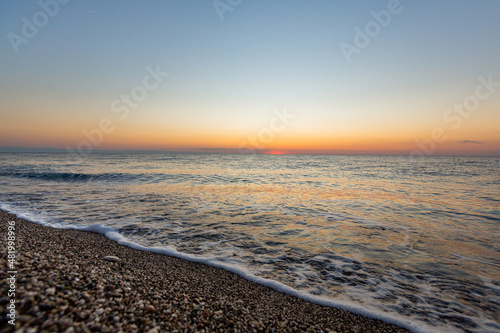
78,281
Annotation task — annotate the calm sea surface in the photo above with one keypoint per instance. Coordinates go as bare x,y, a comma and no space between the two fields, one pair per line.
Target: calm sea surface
418,241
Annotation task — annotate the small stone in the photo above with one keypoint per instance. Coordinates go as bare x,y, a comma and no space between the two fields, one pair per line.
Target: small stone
150,308
46,306
24,318
109,288
153,330
50,291
111,258
99,311
65,322
84,314
95,327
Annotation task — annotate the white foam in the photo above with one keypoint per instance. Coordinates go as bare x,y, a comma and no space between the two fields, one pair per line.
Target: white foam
476,260
114,235
488,282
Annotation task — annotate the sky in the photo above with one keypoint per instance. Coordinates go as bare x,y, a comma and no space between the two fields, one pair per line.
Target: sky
296,76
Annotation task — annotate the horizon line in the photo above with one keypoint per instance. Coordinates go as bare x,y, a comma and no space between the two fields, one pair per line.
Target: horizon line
234,151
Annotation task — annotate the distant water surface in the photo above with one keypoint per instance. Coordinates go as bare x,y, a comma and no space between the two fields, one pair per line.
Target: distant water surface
415,240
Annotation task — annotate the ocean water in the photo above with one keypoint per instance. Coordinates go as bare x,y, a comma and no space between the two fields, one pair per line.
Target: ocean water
416,242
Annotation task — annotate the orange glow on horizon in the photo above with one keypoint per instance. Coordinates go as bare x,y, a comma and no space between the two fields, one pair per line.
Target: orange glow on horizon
479,138
275,152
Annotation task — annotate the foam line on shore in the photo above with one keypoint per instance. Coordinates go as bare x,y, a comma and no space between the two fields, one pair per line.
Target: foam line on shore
113,234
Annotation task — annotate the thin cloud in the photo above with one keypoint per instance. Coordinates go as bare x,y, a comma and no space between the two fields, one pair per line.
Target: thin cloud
470,141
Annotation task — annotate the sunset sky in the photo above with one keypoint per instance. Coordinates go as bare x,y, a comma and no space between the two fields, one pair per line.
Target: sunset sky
367,77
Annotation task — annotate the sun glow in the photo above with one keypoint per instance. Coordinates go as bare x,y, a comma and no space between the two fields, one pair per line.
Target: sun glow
275,152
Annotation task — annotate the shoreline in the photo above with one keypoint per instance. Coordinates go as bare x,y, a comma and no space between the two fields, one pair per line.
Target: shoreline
64,284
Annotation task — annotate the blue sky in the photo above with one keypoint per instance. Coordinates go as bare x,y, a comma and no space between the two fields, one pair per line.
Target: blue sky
225,76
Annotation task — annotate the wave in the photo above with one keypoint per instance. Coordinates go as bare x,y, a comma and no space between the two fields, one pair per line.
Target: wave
115,235
69,176
144,178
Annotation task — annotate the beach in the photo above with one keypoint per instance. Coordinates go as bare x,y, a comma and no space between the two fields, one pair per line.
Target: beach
241,166
65,285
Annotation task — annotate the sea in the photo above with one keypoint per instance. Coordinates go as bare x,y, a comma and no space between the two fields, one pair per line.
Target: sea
412,241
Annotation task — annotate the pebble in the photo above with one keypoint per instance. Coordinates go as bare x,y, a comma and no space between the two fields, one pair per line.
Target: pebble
109,288
50,291
24,318
112,258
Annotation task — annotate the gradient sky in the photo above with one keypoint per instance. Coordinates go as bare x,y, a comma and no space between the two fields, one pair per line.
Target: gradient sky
227,78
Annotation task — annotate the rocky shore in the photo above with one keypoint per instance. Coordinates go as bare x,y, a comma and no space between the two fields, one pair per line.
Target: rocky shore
65,283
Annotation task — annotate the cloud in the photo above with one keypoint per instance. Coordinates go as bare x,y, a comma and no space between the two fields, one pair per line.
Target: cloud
470,141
